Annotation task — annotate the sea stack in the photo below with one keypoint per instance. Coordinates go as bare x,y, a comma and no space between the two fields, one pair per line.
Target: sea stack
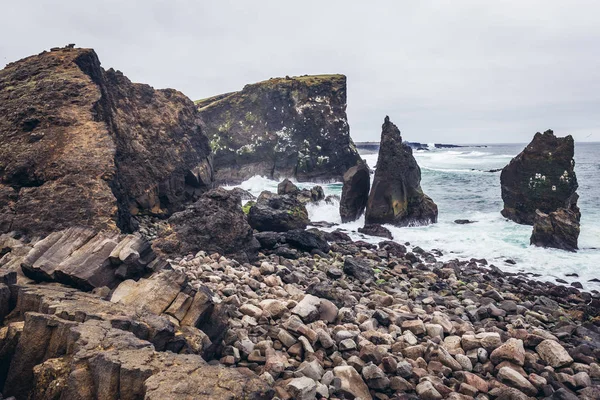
541,177
81,146
559,229
396,196
281,128
355,192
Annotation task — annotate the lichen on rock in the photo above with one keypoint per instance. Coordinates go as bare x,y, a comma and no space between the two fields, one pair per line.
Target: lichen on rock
283,127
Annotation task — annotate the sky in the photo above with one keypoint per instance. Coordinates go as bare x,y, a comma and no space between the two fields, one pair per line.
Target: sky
455,71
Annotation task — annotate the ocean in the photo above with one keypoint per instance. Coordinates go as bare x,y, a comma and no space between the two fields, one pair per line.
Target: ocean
458,180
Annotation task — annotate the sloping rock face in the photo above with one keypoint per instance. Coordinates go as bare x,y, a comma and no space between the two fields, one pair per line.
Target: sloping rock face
80,146
355,192
559,229
283,127
541,177
396,196
215,223
84,348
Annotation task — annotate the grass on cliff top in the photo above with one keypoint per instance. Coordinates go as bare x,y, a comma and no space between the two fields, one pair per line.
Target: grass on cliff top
272,83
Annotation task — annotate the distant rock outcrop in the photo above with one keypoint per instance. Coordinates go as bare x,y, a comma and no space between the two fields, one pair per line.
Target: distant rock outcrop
558,229
215,223
541,177
283,127
355,192
81,146
396,196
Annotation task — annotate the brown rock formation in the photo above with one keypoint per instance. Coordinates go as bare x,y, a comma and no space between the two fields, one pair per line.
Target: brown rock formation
84,146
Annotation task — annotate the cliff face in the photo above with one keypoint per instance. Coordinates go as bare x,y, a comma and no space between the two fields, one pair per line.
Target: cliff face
541,177
396,196
84,146
284,127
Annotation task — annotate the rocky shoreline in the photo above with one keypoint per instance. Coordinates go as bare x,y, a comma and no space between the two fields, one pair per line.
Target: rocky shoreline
125,274
362,321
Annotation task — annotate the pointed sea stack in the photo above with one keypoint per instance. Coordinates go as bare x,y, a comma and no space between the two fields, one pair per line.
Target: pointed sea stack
281,128
355,192
396,196
541,177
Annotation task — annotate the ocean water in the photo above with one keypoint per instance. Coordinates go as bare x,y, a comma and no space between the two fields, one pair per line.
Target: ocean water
459,182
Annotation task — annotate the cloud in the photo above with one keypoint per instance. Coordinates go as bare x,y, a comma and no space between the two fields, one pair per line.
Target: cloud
460,71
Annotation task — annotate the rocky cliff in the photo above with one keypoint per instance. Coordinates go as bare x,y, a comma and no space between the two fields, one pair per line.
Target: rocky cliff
284,127
541,177
396,196
83,146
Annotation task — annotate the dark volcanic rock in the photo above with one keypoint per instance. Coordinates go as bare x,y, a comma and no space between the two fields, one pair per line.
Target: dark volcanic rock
215,223
287,187
80,146
283,127
306,240
358,268
376,230
541,177
396,196
559,229
277,213
355,192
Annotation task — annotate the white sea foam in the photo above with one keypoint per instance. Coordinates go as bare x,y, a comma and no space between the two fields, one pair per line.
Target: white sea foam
463,193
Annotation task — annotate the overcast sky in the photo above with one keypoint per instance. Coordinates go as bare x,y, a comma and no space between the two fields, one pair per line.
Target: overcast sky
456,71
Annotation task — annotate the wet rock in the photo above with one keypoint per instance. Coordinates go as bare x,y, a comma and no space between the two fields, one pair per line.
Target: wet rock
396,196
355,192
558,229
376,230
278,214
215,223
306,241
541,177
281,127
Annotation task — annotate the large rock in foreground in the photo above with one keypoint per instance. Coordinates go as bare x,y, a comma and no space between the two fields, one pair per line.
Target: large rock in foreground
541,177
215,223
559,229
396,196
81,146
277,213
283,127
355,192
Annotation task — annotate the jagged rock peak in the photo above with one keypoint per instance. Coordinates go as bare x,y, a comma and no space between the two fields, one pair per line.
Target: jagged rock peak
396,196
283,127
81,146
541,177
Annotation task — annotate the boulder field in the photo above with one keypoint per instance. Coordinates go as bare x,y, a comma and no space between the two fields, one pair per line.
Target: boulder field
281,128
84,146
